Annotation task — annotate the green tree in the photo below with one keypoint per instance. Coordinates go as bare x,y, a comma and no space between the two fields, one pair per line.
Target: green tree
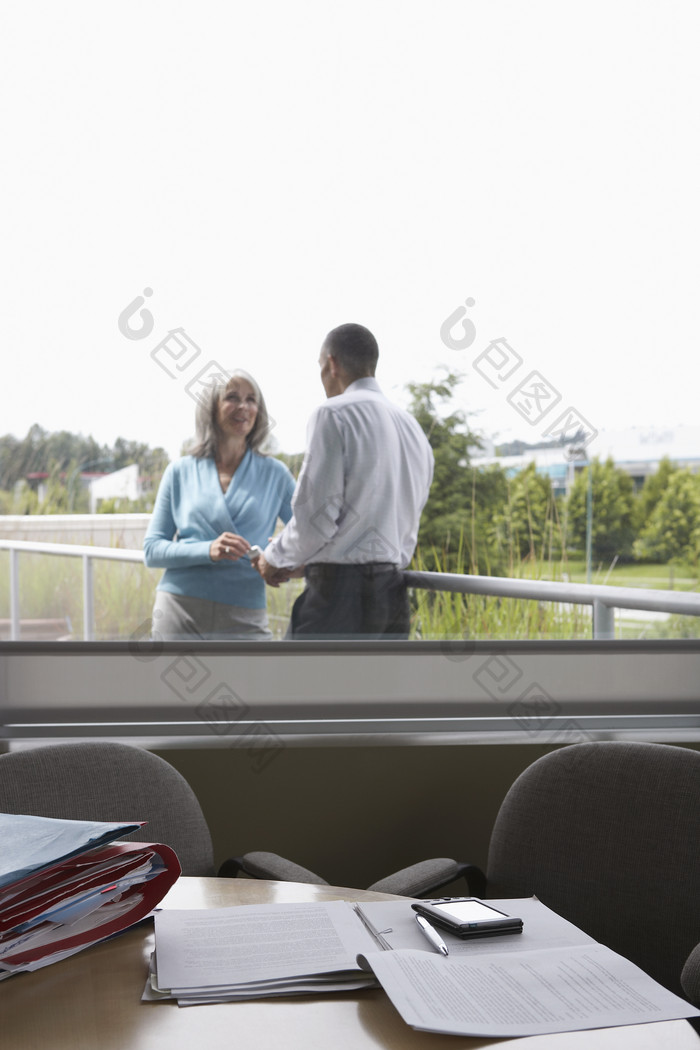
41,451
613,528
151,461
672,533
62,455
652,490
9,446
58,494
527,523
457,522
291,460
24,499
19,458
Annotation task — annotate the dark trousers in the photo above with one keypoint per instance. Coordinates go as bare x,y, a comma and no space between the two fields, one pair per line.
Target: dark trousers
351,601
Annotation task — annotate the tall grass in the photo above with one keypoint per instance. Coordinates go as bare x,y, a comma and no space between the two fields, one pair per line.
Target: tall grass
438,615
124,593
51,587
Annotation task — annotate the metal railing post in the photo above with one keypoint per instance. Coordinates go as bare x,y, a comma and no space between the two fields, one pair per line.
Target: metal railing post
603,620
88,600
15,628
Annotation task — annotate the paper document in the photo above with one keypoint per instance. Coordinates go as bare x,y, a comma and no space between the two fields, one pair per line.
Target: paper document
30,843
552,977
250,950
485,991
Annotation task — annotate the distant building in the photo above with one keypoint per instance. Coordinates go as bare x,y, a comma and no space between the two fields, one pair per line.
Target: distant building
119,484
38,480
638,451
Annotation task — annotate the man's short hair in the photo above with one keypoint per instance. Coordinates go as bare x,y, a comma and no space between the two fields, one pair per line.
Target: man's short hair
354,348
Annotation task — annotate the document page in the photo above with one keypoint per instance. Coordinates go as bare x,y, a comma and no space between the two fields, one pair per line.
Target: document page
253,943
527,993
31,843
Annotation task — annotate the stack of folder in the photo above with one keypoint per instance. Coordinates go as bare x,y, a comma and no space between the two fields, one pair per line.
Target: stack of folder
67,884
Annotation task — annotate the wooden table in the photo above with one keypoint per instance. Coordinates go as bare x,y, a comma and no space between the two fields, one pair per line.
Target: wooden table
92,1001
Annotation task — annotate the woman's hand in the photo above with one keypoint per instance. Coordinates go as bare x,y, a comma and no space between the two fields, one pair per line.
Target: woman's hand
228,547
274,577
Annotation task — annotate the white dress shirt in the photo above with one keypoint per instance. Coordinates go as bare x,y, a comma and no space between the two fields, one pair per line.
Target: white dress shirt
362,486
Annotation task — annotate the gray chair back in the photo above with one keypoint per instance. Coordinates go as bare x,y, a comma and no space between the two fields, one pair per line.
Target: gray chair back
110,781
606,834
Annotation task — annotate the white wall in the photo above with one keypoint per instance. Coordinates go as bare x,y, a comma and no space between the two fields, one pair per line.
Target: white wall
101,530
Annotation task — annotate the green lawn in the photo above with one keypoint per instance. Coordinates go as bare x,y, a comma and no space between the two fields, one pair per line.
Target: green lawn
658,577
632,624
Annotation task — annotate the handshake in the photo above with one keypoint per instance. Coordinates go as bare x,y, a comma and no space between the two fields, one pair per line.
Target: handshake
273,577
229,546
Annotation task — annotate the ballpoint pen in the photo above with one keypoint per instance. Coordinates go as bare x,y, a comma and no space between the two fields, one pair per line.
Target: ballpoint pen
432,935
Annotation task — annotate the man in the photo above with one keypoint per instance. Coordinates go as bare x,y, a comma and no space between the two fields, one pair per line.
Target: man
362,486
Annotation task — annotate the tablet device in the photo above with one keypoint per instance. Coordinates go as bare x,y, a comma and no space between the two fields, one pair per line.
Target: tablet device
467,916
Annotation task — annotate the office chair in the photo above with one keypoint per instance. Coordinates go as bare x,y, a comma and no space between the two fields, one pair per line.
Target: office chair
605,834
103,780
690,978
417,880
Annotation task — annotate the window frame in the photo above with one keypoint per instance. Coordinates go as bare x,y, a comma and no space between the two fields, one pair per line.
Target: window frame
221,693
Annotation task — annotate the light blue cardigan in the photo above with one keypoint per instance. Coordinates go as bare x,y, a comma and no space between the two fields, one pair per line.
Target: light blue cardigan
191,510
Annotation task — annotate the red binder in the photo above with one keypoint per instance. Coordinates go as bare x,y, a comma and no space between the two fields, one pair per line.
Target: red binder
56,908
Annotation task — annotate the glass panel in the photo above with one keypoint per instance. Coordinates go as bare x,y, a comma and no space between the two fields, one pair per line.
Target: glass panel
506,194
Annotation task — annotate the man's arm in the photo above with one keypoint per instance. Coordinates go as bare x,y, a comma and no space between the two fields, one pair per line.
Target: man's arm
318,498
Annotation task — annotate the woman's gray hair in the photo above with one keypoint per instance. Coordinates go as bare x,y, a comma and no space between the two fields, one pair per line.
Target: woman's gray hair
206,431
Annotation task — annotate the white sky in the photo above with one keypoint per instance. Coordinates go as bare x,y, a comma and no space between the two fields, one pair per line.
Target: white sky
273,170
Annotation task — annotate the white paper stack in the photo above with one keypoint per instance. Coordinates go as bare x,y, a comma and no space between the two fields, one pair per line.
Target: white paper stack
256,951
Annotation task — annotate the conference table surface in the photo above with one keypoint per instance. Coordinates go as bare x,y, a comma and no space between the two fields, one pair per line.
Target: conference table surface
93,1000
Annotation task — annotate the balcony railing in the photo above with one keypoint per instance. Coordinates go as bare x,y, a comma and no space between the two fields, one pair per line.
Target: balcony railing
66,550
603,599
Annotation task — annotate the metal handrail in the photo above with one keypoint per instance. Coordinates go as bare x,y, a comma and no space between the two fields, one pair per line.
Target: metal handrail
67,550
604,599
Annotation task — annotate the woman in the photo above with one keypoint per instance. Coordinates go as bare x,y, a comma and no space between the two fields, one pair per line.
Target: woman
211,507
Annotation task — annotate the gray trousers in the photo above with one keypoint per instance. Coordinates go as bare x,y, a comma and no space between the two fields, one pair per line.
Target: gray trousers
177,617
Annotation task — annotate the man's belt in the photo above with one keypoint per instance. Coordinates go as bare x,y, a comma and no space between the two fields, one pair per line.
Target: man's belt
333,568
